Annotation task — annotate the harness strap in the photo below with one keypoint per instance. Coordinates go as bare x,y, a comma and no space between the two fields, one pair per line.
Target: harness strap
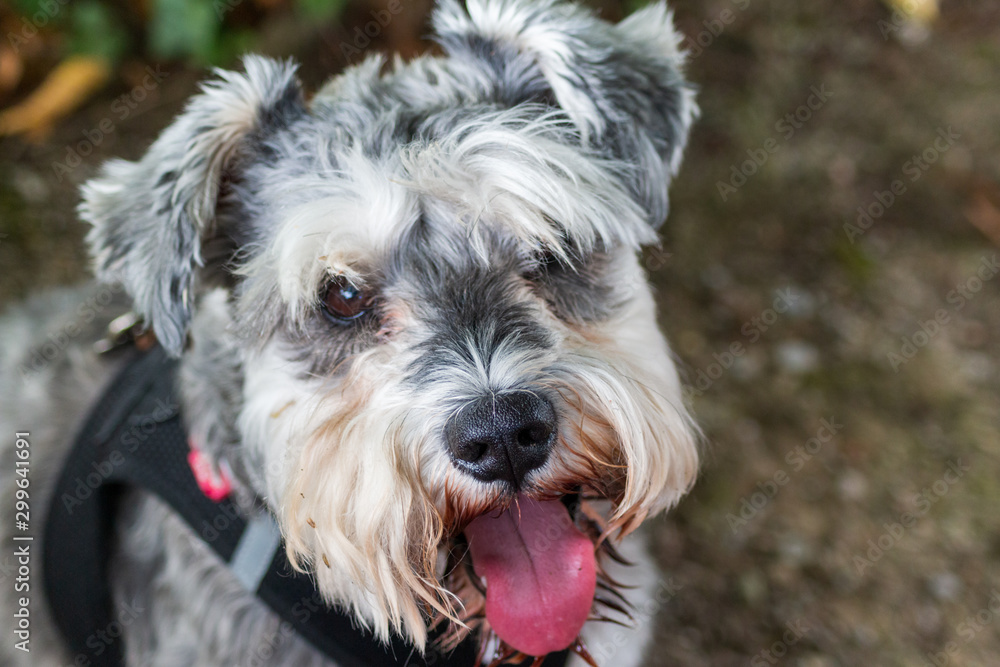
134,438
255,550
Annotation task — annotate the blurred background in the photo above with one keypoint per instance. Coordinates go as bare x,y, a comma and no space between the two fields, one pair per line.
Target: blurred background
828,277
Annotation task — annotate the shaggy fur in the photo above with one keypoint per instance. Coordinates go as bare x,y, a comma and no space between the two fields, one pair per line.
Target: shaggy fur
490,204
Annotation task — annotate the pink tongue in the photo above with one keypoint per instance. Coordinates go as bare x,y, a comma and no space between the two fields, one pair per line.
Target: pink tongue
540,574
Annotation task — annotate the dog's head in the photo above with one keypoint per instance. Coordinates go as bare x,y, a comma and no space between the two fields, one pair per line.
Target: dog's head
427,282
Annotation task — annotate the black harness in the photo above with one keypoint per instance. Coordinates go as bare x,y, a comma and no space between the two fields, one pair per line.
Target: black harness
134,438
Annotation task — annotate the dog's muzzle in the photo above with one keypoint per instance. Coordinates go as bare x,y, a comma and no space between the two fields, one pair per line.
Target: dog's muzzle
536,568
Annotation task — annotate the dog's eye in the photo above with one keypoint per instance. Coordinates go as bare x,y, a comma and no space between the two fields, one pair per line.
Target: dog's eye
342,302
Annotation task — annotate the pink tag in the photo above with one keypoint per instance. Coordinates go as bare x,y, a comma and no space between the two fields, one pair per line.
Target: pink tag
215,486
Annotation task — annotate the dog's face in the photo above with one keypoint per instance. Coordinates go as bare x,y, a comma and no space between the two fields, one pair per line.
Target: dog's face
447,350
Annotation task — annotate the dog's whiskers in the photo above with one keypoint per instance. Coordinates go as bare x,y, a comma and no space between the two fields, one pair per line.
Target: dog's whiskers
422,333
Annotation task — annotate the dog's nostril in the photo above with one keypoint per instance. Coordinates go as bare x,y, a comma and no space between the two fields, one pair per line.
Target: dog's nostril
475,451
534,434
502,437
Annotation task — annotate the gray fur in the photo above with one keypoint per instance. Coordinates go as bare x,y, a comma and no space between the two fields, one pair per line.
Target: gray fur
46,395
150,217
492,199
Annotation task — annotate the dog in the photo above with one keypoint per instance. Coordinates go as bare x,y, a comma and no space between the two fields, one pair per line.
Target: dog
410,331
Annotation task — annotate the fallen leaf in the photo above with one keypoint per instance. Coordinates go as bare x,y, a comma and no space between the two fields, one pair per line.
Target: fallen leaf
985,216
911,20
11,69
66,87
921,11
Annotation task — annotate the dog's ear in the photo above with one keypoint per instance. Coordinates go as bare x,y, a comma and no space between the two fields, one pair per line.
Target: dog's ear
621,85
150,217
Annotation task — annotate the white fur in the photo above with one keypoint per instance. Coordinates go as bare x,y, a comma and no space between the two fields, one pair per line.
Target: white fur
499,165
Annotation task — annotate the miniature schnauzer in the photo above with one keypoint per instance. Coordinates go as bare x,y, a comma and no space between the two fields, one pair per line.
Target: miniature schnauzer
412,330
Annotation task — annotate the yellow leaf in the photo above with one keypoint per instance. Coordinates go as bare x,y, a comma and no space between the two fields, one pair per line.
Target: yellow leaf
66,87
921,11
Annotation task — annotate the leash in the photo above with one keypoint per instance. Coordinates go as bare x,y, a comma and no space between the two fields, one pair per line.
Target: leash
134,438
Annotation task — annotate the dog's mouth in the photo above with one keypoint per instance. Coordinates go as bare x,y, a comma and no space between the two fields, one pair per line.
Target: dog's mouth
535,569
539,571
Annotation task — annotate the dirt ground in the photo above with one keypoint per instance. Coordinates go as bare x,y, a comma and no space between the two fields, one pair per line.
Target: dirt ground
842,362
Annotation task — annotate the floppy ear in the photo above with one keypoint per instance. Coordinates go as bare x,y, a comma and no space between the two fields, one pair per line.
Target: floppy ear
150,217
621,85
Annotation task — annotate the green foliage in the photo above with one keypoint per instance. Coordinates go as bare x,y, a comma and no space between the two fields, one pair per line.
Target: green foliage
28,7
89,27
635,5
320,10
201,31
232,43
184,28
95,31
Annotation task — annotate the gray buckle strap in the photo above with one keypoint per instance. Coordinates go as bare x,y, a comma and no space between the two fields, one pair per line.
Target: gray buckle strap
255,550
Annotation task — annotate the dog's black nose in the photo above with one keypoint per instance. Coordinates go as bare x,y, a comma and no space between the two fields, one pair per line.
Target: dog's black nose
502,437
